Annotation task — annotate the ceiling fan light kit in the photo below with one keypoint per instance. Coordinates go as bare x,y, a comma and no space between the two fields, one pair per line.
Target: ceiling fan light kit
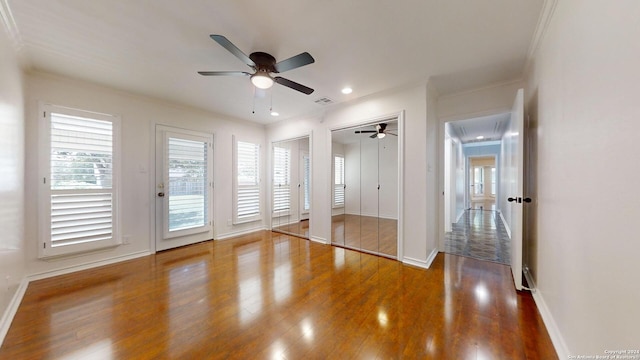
262,80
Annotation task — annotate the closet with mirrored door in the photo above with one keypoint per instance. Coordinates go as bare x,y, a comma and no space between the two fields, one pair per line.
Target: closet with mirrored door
291,187
365,172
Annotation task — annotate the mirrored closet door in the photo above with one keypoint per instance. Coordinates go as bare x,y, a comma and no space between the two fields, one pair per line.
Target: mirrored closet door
291,187
365,188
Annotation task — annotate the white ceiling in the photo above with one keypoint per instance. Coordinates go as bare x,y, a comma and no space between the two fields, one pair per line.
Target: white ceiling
489,127
155,47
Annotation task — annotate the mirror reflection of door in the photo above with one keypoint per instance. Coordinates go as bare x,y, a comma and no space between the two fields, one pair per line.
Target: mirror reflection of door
365,188
291,187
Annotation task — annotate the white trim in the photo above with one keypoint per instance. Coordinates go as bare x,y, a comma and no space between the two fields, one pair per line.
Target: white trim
319,240
240,233
12,309
88,265
10,25
425,264
506,227
552,327
432,257
546,14
415,262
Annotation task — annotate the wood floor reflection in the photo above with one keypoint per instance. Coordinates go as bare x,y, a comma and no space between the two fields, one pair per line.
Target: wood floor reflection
371,234
299,228
267,295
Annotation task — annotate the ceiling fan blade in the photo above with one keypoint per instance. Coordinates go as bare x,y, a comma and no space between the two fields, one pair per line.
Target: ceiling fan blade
224,73
374,136
293,85
390,133
365,131
225,43
294,62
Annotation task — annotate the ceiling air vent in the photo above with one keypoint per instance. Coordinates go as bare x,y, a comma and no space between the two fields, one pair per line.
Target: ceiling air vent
324,101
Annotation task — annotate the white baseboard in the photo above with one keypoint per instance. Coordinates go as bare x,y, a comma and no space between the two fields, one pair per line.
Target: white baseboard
506,227
85,266
12,309
432,257
552,328
239,233
319,240
425,264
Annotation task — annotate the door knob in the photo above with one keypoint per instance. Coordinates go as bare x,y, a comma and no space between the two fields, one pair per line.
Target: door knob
512,199
527,200
160,194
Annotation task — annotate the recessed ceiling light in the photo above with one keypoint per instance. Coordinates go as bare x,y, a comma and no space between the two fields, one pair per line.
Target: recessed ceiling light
480,137
347,90
275,113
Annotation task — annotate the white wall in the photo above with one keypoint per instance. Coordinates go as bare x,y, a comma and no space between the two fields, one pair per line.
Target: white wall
12,240
582,96
418,244
139,114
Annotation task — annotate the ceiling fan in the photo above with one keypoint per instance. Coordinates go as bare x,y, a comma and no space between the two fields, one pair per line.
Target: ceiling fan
380,131
263,65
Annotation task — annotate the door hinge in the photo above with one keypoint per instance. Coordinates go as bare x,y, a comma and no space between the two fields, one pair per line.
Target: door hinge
44,180
44,114
44,245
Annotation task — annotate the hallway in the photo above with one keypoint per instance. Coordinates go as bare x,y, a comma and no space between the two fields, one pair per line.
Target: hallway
481,235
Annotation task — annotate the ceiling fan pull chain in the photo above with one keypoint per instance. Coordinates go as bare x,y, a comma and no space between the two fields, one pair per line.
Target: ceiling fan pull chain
253,108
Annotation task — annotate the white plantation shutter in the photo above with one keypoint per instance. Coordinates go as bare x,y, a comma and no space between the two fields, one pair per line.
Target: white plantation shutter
188,185
306,163
247,181
281,179
338,183
79,194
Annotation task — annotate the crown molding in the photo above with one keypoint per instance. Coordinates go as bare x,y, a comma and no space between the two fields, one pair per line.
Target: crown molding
9,24
546,14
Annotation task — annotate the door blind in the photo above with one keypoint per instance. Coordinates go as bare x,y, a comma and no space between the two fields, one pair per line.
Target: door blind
188,184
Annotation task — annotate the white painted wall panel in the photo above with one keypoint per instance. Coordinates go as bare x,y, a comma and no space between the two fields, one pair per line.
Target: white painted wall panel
582,96
12,154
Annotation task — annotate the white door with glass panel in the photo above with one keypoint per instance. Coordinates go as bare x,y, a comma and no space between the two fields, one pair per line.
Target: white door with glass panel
184,188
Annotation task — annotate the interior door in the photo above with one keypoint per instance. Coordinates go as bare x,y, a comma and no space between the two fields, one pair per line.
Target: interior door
516,196
184,191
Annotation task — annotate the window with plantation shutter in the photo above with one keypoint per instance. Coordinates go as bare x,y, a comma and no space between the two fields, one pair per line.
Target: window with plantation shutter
281,179
79,181
306,178
338,182
247,182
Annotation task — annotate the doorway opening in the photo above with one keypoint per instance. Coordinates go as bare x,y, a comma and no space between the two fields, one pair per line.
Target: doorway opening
473,224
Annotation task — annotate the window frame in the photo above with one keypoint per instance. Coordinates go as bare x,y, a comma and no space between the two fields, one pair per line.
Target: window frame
236,187
45,248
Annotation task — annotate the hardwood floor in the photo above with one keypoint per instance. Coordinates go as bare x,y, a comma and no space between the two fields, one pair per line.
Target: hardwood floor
299,228
268,295
370,234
